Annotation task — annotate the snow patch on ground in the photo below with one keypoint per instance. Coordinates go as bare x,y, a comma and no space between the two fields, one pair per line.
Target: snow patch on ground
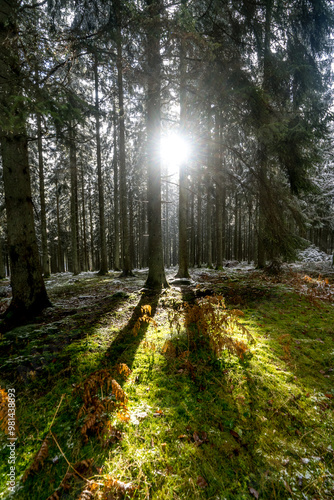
313,254
313,259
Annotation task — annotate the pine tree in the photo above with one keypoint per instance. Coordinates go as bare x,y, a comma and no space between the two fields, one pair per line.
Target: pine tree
28,291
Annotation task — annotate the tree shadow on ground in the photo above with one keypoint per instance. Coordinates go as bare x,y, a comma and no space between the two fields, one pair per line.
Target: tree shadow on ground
127,341
50,335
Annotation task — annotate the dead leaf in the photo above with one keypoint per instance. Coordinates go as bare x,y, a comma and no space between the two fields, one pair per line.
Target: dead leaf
253,492
158,413
235,434
201,482
197,439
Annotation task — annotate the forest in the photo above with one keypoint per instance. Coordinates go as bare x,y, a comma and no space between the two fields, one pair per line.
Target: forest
166,249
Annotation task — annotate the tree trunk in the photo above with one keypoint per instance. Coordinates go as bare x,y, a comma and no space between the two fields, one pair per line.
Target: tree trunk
156,275
103,244
59,246
116,200
45,253
84,230
262,152
126,258
199,225
2,262
208,224
91,230
183,192
74,202
29,294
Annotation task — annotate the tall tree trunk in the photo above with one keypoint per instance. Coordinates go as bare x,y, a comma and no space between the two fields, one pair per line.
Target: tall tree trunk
116,198
103,243
74,202
183,192
219,191
44,238
208,224
60,256
29,294
192,229
262,150
156,275
199,225
126,258
2,262
91,230
168,242
84,230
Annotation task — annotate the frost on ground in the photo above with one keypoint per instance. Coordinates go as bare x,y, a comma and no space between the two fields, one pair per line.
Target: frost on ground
313,259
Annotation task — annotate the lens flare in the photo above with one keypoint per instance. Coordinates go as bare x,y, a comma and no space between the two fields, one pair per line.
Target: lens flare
175,150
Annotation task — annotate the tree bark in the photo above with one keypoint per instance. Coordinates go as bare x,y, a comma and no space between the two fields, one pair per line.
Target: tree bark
84,220
156,275
44,238
29,294
103,243
74,202
183,192
116,199
126,258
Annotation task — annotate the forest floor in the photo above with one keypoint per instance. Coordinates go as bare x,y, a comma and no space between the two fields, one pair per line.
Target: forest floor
121,393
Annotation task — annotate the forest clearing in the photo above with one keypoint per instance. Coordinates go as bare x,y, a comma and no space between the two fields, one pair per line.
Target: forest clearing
193,422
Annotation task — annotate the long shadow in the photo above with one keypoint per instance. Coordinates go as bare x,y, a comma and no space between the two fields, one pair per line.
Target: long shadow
49,338
127,341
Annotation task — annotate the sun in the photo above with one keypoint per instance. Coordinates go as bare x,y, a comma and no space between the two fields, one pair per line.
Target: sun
174,149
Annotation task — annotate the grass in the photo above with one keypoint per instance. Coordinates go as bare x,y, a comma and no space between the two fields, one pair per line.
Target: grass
198,426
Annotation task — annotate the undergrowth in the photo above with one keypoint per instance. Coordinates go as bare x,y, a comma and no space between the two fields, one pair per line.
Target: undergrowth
183,395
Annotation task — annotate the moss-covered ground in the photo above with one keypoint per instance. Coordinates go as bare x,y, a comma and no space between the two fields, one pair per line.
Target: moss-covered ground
195,425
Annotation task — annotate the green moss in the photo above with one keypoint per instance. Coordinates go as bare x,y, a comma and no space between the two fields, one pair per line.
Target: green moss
199,427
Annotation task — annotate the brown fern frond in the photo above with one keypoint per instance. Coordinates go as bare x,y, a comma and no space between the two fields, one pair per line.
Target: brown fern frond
83,466
169,349
89,492
110,435
210,318
96,407
54,496
4,410
123,369
145,317
65,484
118,391
112,484
39,458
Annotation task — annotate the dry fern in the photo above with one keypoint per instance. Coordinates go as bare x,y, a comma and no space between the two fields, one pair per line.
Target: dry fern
123,369
89,492
114,485
210,318
38,460
145,317
54,496
8,421
97,402
3,411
